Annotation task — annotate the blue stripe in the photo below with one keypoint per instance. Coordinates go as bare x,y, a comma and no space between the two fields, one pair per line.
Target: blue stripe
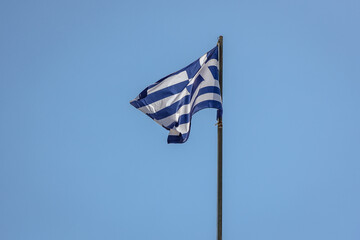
163,93
143,94
185,118
212,54
192,88
172,74
211,89
170,110
173,108
178,139
196,84
193,68
206,104
214,71
165,112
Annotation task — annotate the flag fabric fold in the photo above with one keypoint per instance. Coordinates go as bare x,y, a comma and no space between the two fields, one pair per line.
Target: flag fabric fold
173,100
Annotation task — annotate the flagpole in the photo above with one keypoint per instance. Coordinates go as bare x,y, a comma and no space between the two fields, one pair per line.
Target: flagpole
220,143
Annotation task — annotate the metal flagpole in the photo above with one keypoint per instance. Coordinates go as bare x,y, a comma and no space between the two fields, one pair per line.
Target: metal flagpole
220,143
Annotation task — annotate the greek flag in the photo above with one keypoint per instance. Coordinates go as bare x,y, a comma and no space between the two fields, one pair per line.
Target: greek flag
173,100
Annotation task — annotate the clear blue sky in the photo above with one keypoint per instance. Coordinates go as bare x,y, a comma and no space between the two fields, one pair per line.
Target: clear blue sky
77,161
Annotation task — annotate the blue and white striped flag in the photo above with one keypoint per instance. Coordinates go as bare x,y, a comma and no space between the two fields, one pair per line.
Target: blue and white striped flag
173,100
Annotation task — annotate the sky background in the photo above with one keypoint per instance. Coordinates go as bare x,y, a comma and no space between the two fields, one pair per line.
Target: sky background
77,161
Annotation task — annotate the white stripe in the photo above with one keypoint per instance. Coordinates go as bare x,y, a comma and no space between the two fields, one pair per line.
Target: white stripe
212,62
203,59
172,80
186,108
206,74
207,96
173,132
185,127
163,103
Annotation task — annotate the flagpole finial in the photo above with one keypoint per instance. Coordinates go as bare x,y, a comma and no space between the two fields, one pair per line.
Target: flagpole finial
220,39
